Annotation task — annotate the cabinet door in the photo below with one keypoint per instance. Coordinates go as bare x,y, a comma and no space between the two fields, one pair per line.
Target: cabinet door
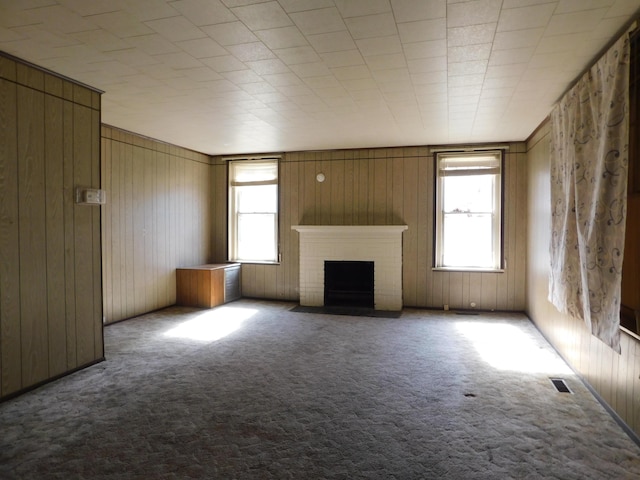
232,283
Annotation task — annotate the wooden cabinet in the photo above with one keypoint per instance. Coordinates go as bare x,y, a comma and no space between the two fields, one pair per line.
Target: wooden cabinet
208,285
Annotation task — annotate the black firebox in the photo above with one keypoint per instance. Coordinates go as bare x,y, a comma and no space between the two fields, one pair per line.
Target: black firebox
348,284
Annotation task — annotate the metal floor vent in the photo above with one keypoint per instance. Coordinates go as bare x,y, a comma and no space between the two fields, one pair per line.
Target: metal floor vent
560,385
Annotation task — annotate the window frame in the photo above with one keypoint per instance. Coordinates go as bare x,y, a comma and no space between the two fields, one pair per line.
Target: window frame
233,214
439,214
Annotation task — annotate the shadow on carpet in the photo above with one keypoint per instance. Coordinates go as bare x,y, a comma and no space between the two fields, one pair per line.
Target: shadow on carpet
352,311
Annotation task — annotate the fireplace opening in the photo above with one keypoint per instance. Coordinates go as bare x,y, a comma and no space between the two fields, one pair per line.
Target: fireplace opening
348,284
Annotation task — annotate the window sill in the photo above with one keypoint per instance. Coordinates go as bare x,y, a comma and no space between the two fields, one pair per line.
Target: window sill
254,262
468,270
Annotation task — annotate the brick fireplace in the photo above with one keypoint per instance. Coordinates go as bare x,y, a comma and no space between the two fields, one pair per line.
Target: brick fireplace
381,244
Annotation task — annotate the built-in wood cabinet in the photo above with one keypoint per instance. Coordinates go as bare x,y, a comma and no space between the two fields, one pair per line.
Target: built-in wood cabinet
207,286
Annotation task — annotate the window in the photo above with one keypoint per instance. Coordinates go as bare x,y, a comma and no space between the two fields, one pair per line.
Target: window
253,210
468,210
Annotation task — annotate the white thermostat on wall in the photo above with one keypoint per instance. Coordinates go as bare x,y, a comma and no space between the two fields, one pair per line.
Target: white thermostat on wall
90,196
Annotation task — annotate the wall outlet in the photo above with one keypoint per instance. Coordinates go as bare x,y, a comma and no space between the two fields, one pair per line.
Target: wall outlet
446,307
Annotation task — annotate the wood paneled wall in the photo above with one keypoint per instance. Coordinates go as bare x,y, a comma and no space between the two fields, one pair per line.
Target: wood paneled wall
157,218
613,376
50,270
382,186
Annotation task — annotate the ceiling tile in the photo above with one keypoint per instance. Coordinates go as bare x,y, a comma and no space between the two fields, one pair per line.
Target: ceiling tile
102,40
342,59
421,31
264,67
325,20
240,3
518,39
473,12
282,79
292,6
121,24
427,65
573,6
358,8
246,52
576,22
384,62
351,73
511,56
433,48
306,70
466,80
262,16
469,52
526,17
413,10
85,8
152,44
372,26
178,60
332,42
230,33
240,77
468,68
296,55
379,45
471,35
202,48
204,12
224,63
359,84
283,37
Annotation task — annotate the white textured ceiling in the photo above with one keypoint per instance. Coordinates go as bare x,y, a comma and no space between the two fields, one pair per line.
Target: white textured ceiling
245,76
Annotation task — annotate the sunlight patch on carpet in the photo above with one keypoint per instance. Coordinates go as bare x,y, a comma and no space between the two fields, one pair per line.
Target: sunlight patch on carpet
212,325
506,347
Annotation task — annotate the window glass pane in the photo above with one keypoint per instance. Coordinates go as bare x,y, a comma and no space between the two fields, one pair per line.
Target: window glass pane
260,198
468,240
256,237
468,193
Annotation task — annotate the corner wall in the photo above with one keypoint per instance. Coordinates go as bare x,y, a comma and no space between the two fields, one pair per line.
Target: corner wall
157,218
50,270
613,376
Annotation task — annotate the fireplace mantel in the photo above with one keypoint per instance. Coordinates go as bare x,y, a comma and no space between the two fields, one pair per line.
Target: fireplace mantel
351,229
381,244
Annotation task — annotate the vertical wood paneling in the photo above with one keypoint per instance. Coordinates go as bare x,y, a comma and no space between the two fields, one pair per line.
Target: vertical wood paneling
96,220
615,377
69,237
33,247
50,266
159,218
10,347
54,187
83,224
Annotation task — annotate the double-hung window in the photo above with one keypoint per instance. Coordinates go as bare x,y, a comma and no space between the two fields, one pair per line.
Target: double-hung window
469,210
253,210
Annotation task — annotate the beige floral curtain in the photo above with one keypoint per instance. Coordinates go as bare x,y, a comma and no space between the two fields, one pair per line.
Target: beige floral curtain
589,140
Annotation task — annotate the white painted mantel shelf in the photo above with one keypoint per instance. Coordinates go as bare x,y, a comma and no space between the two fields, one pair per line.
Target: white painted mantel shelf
381,244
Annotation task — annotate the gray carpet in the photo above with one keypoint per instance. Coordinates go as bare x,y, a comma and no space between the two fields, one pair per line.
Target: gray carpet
252,390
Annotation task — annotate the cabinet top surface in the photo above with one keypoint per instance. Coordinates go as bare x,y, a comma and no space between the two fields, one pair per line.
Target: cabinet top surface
210,266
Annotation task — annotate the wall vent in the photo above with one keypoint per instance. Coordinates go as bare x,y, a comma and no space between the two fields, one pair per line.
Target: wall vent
560,385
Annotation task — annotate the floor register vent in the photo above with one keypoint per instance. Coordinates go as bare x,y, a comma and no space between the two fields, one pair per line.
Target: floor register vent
560,385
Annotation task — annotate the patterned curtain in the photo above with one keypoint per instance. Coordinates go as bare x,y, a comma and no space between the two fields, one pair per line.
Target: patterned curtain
589,140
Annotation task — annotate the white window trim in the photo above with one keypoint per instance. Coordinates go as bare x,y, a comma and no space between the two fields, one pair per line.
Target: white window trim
232,214
497,249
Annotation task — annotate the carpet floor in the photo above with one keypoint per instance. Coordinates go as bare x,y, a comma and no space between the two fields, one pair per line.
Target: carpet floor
252,390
